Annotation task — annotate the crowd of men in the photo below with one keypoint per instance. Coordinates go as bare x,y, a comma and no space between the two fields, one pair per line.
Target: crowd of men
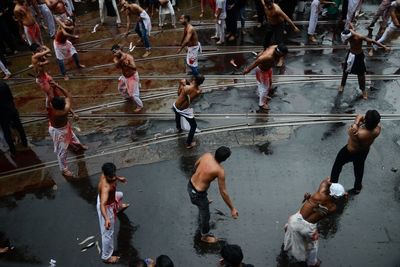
30,17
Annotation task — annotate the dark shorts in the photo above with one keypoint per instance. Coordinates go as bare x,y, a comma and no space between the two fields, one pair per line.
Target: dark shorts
358,65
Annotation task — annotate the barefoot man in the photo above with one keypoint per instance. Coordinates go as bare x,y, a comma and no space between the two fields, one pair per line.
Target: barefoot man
209,168
63,48
60,128
109,203
263,64
128,83
355,60
143,25
362,134
29,28
190,40
301,233
276,21
187,92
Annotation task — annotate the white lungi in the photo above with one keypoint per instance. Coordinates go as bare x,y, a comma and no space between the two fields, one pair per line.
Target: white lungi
129,88
107,240
264,79
315,9
193,54
164,10
64,51
48,17
62,137
146,21
220,30
4,69
102,10
301,239
186,113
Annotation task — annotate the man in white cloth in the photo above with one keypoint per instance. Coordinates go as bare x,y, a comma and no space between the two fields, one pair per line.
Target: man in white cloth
191,41
187,92
60,129
220,16
143,25
166,8
263,64
354,5
7,73
128,83
63,48
109,203
103,10
314,12
355,60
301,233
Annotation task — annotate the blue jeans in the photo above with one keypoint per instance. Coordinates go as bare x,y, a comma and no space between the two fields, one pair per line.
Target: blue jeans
140,29
62,66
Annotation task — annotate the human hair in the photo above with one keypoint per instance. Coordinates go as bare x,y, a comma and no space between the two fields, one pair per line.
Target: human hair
108,169
199,79
115,47
164,261
34,47
58,102
232,255
282,49
222,153
371,119
186,17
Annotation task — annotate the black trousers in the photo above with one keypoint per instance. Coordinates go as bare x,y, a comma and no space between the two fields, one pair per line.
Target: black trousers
344,156
192,123
260,11
232,16
13,119
273,34
201,201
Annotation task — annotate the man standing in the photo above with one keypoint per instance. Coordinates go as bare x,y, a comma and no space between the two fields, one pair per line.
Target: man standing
187,92
314,12
166,8
63,48
128,83
276,25
362,134
143,25
301,233
60,129
220,16
109,203
355,60
102,12
190,40
209,168
29,28
263,64
10,116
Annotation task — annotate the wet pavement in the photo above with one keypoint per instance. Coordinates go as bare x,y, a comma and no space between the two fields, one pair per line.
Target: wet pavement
275,159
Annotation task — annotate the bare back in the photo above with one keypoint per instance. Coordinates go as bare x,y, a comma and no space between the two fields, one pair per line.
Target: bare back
267,58
207,170
134,9
187,94
362,139
194,40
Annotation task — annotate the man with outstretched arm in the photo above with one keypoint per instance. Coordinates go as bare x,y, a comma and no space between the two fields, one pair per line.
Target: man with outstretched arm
362,134
208,168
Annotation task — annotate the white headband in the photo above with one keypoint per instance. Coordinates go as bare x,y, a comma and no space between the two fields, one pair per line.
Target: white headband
345,36
336,190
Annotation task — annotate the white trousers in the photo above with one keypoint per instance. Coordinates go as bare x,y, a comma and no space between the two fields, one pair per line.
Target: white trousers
102,10
312,25
388,33
48,17
168,9
353,6
4,69
220,30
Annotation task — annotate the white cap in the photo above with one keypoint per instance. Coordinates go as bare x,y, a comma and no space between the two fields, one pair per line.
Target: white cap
336,190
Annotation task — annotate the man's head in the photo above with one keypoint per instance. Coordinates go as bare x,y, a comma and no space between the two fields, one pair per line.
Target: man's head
269,4
58,102
232,255
345,35
69,22
184,19
21,2
372,119
109,170
116,50
164,261
281,50
336,190
35,48
198,79
222,153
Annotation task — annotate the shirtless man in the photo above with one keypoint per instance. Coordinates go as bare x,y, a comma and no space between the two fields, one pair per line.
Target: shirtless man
301,233
190,40
29,28
187,92
361,136
109,203
58,9
143,25
60,129
275,27
128,83
355,62
263,64
209,168
63,48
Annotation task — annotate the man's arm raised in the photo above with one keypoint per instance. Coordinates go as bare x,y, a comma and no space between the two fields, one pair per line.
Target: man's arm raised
224,194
